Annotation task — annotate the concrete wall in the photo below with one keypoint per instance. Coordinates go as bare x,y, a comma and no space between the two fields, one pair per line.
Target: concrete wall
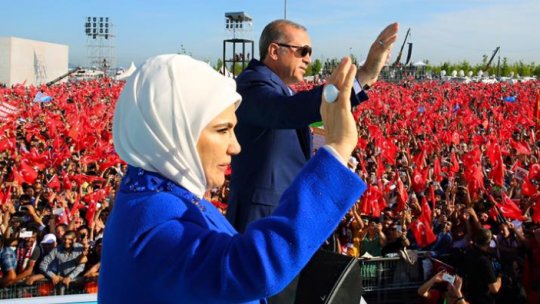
35,62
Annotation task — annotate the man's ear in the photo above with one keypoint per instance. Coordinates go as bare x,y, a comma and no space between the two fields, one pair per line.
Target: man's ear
273,51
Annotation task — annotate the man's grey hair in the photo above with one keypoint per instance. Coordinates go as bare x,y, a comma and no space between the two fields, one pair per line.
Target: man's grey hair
273,32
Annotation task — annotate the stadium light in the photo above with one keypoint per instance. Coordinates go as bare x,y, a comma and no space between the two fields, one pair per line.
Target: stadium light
100,42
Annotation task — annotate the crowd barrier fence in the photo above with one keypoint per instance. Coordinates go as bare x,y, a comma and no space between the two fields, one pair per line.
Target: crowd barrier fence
45,288
384,280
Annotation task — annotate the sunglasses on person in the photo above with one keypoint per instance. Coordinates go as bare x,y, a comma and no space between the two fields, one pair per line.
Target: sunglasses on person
302,50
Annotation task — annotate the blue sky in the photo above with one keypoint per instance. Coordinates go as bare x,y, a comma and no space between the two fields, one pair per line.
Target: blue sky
440,30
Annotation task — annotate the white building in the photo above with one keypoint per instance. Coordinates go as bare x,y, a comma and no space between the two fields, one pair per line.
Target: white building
30,61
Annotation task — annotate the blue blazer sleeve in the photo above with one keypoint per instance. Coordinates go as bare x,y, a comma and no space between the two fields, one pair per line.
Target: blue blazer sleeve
263,260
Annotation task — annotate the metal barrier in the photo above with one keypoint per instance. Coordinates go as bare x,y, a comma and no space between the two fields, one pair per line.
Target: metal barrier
384,278
46,288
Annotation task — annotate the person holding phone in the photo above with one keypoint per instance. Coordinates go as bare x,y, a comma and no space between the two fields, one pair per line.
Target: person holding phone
443,286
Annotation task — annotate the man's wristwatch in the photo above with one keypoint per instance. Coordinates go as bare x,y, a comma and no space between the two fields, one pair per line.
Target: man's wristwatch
357,86
366,87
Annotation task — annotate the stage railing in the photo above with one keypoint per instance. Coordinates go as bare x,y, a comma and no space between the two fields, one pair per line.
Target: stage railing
384,278
46,288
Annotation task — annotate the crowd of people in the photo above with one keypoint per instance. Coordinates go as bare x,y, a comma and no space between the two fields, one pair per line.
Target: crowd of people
446,164
58,179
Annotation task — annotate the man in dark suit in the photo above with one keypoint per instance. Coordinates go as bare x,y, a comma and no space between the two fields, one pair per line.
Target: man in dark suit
273,122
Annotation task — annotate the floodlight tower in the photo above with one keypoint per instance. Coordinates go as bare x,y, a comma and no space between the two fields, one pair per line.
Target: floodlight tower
240,26
100,47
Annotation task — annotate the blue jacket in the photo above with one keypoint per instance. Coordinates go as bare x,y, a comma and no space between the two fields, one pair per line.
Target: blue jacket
164,245
275,138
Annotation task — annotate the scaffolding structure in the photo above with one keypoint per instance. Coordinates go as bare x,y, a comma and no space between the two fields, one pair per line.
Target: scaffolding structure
100,44
238,49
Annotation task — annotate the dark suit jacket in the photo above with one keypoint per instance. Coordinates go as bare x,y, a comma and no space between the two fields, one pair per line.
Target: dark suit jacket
275,138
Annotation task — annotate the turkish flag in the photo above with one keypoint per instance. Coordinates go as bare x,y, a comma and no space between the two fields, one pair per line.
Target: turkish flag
74,131
403,196
5,195
28,173
432,196
495,157
389,151
418,180
369,203
426,210
422,232
471,158
54,183
362,143
7,144
76,205
421,227
437,170
475,179
96,196
380,168
16,176
528,188
455,164
509,209
521,147
419,159
91,212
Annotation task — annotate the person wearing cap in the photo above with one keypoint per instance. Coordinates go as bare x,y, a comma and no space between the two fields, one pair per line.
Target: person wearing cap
62,265
46,245
165,243
273,121
28,254
49,240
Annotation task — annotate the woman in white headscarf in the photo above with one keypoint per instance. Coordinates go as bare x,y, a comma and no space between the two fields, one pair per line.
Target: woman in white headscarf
163,242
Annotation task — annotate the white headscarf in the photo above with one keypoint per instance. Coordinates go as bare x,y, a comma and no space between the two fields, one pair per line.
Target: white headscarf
161,112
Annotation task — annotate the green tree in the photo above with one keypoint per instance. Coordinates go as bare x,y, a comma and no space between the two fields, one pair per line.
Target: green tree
309,70
523,69
316,66
238,68
505,67
447,67
536,71
464,65
219,64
